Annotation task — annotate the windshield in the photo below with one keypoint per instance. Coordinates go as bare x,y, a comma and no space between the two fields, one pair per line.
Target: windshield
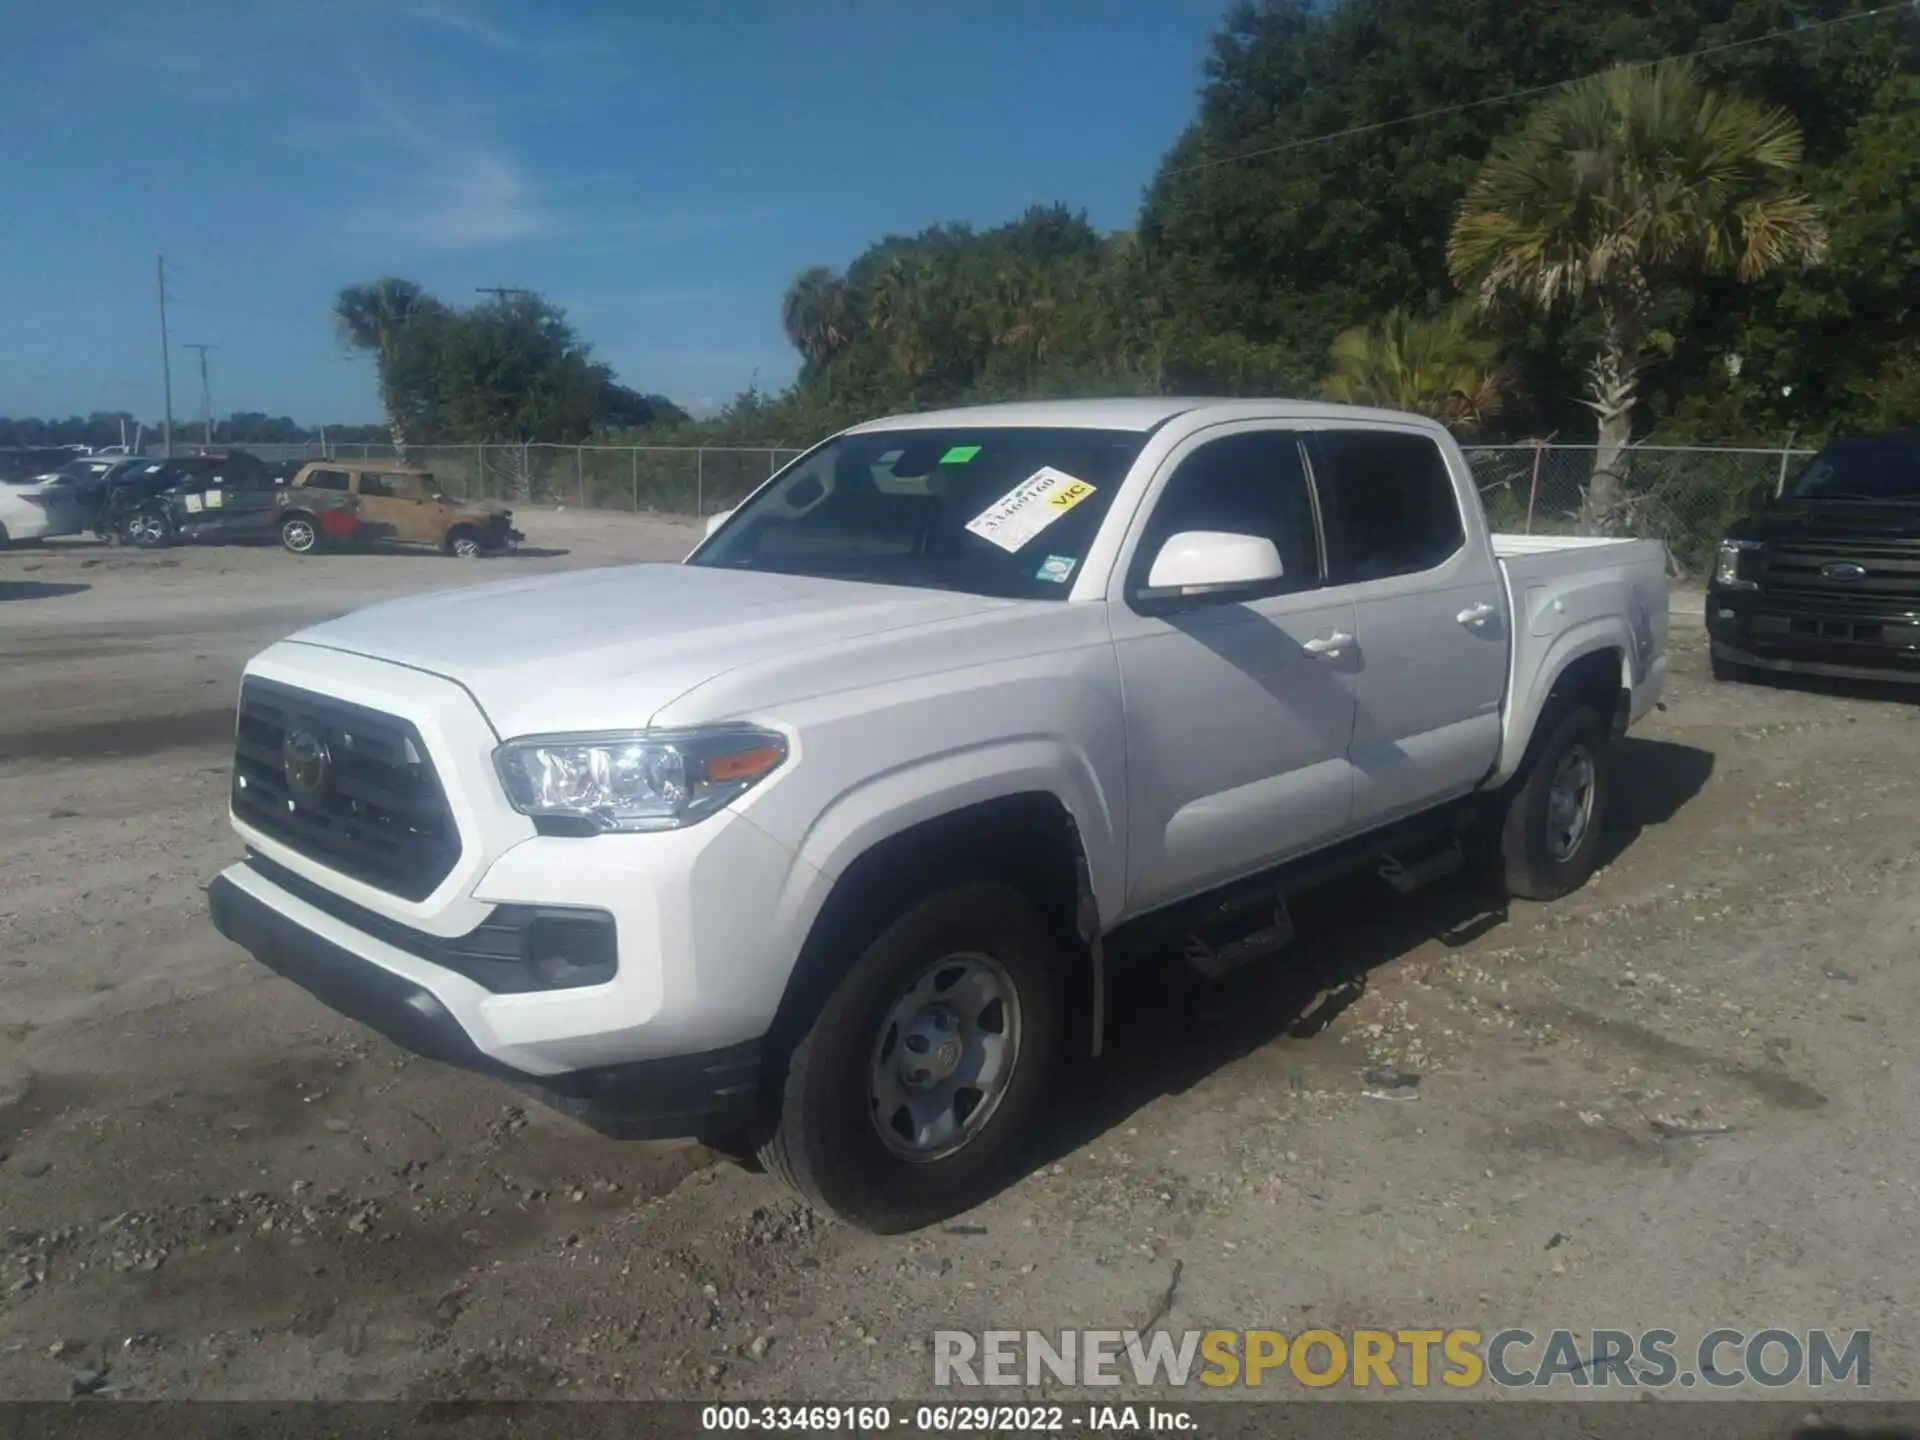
1871,470
1002,512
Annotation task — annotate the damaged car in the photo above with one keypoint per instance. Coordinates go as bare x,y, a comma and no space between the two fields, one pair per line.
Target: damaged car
331,504
216,497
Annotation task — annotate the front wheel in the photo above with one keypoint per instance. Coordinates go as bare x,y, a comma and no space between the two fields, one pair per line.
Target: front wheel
1555,819
908,1098
465,543
147,529
299,534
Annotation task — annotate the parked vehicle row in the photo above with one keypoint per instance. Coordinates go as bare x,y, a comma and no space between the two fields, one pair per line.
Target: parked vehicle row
235,496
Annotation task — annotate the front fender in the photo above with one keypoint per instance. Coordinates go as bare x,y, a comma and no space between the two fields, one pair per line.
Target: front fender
888,804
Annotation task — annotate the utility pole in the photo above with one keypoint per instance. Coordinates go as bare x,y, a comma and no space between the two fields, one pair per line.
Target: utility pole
166,359
500,292
206,395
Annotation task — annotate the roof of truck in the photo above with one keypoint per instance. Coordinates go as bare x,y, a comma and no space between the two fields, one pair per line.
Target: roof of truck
1144,413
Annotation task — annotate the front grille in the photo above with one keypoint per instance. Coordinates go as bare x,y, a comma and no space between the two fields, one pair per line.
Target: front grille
1794,578
380,816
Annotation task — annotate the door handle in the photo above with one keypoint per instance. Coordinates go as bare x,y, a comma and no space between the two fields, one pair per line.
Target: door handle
1328,645
1475,614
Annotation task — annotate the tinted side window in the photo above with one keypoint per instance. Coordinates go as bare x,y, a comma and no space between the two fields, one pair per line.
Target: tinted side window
1248,484
1389,504
371,484
325,480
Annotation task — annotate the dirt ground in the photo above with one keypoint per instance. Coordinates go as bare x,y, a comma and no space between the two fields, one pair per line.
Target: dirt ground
1681,1098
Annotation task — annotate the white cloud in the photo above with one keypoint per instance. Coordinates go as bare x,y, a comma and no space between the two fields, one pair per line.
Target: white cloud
482,31
461,200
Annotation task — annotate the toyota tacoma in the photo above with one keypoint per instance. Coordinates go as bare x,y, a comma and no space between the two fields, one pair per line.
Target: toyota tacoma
826,839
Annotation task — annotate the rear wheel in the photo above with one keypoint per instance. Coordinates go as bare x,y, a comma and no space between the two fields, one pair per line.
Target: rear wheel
148,529
907,1099
1555,817
299,534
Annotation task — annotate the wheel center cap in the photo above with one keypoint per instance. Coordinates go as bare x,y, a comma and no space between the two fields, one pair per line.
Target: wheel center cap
933,1048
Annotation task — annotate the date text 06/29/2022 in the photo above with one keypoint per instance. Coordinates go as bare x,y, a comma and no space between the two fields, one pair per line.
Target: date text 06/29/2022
955,1419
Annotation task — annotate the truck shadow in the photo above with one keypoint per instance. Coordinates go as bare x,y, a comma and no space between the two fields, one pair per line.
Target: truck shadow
1168,1029
37,589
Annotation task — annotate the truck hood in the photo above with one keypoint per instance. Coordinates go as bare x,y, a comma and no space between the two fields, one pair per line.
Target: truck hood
607,649
1830,520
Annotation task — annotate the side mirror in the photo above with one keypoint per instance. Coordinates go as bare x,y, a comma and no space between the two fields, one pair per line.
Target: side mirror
714,522
1213,562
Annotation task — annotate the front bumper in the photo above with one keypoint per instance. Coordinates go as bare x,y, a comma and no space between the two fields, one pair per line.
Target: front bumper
1748,628
707,1095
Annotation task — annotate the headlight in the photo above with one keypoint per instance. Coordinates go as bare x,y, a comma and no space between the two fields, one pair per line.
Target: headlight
658,780
1727,570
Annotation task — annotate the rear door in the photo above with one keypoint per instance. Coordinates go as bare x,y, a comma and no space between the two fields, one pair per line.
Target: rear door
1407,546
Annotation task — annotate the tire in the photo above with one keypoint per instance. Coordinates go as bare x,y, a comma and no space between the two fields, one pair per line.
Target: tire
299,534
463,542
929,967
1546,849
146,530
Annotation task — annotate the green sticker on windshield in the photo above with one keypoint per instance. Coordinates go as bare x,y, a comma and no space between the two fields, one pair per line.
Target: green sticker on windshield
959,454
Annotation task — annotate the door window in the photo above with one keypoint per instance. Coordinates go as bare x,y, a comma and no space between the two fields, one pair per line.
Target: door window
1389,504
1254,483
325,480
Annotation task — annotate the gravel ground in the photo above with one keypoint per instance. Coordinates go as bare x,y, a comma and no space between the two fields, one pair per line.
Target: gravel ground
1680,1098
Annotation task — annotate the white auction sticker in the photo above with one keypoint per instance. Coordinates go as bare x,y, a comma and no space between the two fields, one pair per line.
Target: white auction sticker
216,499
1015,518
192,502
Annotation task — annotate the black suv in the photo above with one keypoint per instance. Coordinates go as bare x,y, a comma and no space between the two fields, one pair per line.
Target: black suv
1825,578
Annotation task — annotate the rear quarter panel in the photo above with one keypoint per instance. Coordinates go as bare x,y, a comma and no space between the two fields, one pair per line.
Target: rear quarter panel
1571,597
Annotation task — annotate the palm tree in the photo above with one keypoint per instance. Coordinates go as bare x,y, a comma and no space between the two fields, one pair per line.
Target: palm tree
1436,366
817,316
374,318
1623,180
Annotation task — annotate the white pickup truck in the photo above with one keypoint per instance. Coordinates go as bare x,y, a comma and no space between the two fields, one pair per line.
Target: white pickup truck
827,837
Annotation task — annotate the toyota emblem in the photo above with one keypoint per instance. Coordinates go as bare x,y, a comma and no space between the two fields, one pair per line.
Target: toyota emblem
1844,570
307,765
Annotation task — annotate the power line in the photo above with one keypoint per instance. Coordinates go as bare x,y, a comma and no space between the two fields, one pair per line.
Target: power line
1793,34
206,394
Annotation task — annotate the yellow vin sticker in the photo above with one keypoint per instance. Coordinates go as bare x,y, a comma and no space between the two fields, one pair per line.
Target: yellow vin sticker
1013,520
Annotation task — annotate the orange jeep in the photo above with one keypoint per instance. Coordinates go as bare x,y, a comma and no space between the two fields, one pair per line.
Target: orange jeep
338,502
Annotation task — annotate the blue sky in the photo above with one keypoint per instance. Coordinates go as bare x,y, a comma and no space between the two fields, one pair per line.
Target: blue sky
661,169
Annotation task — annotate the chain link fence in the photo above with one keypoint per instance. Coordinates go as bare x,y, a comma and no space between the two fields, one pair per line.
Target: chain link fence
673,480
1683,495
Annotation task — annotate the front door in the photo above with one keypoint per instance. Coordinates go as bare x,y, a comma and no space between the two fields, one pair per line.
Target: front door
386,511
1405,543
1238,712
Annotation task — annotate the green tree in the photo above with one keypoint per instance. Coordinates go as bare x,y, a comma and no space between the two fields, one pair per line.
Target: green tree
1621,182
386,319
818,315
1436,365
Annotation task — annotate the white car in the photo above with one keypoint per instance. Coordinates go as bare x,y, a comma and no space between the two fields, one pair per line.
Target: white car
830,836
39,509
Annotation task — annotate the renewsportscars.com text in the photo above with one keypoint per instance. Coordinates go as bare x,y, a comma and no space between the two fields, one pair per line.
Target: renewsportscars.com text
1386,1359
